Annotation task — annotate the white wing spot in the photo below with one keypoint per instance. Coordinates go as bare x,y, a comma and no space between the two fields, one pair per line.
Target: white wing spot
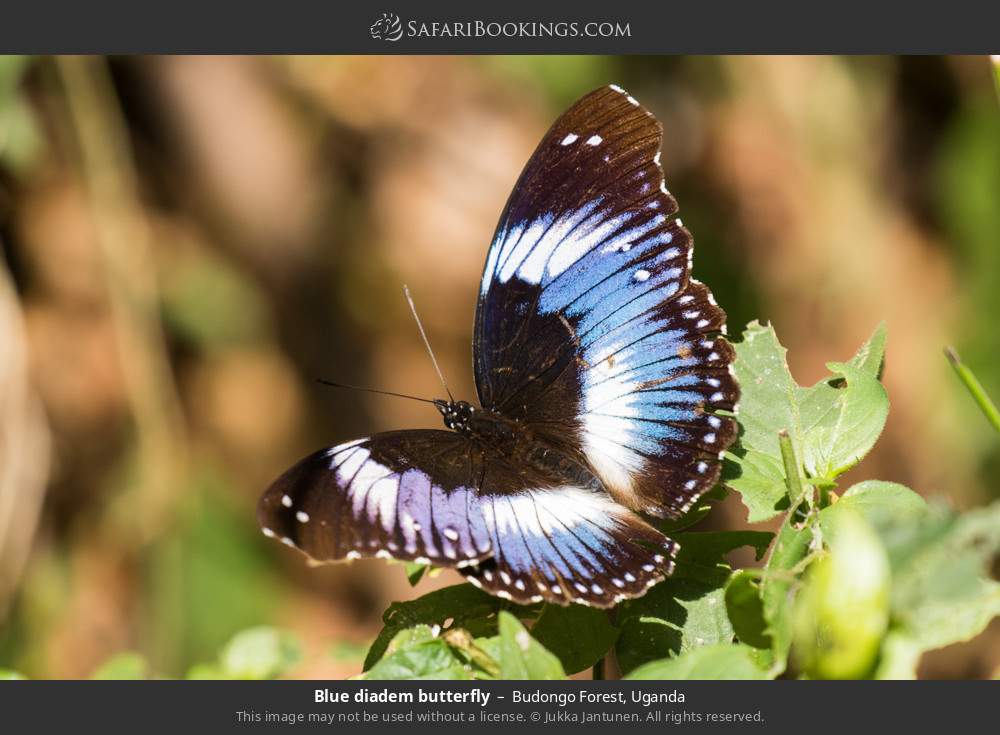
267,532
287,541
302,517
286,501
716,397
641,275
594,140
451,534
710,438
571,138
714,421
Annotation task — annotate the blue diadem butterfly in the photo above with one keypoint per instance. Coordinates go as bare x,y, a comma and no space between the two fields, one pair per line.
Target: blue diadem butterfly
601,373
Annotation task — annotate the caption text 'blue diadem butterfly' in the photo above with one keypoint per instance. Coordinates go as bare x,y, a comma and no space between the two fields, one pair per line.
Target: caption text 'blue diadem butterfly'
600,371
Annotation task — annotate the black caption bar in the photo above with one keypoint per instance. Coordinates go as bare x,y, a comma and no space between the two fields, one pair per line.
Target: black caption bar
250,707
512,26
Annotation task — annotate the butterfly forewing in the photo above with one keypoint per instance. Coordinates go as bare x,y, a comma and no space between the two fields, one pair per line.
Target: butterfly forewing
589,327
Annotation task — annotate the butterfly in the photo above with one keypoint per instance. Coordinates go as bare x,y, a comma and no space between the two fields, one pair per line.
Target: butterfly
606,394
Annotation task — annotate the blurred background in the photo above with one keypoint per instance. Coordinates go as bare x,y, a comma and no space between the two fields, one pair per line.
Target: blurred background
188,243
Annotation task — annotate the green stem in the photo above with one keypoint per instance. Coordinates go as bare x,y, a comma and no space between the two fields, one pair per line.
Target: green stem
793,480
974,387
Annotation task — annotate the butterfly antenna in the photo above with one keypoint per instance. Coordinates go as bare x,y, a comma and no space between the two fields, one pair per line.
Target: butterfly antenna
372,390
427,343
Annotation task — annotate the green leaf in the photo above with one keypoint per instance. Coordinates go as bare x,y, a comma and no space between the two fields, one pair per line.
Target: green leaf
870,358
415,572
580,636
942,590
687,610
746,609
701,508
127,665
418,653
844,423
521,656
259,653
768,403
880,503
831,424
721,661
460,605
779,586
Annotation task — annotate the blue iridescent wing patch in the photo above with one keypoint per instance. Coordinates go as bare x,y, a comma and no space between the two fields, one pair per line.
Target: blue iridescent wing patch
589,327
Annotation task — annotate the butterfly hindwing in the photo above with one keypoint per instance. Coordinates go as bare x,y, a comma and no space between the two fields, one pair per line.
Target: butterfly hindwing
589,327
569,544
534,530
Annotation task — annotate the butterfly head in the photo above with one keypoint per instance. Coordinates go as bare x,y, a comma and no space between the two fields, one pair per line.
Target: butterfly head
457,414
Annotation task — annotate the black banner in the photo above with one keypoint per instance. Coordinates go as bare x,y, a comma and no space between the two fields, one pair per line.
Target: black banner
514,26
248,707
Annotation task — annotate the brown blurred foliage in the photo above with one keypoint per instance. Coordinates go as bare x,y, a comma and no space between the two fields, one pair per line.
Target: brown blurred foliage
190,242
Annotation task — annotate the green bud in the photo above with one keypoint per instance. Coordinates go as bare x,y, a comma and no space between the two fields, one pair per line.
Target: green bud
842,613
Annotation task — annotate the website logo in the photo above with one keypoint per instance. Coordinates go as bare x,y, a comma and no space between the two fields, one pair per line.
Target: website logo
387,28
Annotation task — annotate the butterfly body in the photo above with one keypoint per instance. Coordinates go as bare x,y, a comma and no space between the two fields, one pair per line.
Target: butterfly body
605,393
